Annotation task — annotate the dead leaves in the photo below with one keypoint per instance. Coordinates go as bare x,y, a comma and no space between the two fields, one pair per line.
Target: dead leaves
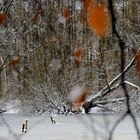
78,53
138,62
98,17
15,62
87,4
38,14
78,97
2,18
98,20
67,13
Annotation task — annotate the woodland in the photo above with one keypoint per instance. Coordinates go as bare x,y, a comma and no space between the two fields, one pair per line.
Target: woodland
57,54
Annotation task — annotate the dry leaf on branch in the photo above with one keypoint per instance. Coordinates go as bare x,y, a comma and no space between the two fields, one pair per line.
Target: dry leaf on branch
67,13
2,18
78,56
138,62
98,20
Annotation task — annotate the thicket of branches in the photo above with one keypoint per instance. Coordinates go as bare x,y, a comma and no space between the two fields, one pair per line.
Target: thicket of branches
48,47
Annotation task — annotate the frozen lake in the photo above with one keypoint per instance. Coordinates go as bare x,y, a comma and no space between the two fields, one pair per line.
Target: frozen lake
78,127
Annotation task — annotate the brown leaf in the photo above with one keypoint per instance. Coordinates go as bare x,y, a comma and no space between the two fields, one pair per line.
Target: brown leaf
15,61
78,62
80,100
138,62
99,20
78,52
2,18
38,14
78,56
67,13
88,3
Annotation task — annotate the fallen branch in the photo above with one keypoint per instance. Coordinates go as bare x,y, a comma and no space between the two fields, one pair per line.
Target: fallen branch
131,84
108,109
3,61
110,101
106,89
2,111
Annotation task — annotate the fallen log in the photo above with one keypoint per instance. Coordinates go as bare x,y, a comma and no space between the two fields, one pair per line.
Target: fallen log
108,88
88,105
2,111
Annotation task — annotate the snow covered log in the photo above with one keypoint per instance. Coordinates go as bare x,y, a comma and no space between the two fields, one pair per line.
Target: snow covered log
107,89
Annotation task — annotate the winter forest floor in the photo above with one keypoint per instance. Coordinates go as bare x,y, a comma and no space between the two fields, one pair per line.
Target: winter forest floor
76,127
97,125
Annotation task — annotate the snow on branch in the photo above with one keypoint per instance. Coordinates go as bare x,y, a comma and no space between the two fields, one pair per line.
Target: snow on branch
109,87
131,84
2,65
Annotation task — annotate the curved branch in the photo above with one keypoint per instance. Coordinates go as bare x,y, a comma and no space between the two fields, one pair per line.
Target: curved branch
106,89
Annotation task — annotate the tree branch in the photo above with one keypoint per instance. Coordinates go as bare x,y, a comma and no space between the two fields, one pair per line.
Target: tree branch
106,89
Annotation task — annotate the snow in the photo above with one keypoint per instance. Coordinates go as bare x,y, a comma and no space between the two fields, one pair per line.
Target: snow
61,19
95,110
12,106
78,5
55,64
78,127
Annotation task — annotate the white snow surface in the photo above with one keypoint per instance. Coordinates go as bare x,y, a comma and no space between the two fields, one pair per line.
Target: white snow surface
75,127
12,106
55,64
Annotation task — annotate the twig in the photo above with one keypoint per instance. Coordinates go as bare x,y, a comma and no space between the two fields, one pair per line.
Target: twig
131,84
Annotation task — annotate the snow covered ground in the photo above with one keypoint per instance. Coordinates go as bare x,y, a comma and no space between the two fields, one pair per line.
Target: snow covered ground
78,127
